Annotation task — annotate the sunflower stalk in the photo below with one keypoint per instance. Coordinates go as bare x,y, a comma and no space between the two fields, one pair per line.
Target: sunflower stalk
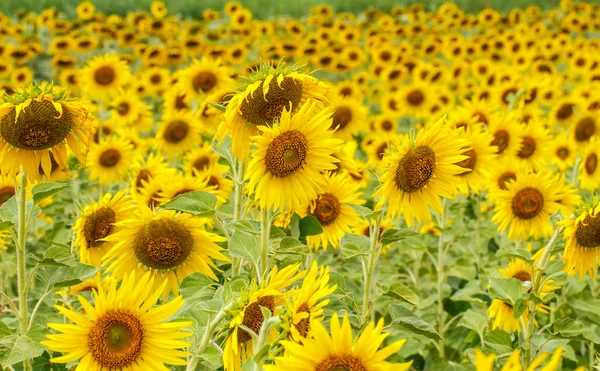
265,232
206,341
440,281
368,265
538,272
21,272
238,204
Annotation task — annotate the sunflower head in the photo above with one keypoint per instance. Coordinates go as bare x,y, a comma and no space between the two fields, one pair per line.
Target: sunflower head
37,125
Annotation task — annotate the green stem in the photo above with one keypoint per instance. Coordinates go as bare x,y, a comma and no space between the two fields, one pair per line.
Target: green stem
440,282
238,204
265,232
21,272
10,304
368,265
205,341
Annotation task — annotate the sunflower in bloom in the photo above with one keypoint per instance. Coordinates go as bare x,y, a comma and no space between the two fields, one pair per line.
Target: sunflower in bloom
332,211
513,363
98,222
582,243
589,171
7,188
123,329
104,75
110,160
420,170
201,78
338,350
177,133
85,10
262,98
305,305
285,170
158,9
502,313
564,152
349,116
92,284
247,312
534,150
525,206
481,156
145,169
38,127
168,244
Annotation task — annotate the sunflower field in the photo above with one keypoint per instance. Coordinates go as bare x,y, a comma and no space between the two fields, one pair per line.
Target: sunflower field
409,188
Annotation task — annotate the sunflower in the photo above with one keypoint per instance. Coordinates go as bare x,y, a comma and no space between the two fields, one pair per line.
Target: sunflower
247,312
420,170
586,127
145,169
181,184
168,244
262,98
505,129
201,159
104,75
305,305
36,125
332,211
525,206
534,150
284,171
582,243
349,116
513,363
158,9
109,161
589,171
481,157
414,99
201,78
177,133
92,284
126,107
122,330
218,183
339,351
85,10
502,313
564,152
98,222
563,111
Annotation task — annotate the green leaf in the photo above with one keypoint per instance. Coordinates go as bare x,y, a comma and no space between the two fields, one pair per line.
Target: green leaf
59,277
245,246
573,330
17,348
197,203
218,106
498,341
8,210
474,321
243,226
291,245
6,225
468,293
57,255
354,245
310,226
507,289
411,322
363,211
401,292
392,235
521,254
224,150
42,191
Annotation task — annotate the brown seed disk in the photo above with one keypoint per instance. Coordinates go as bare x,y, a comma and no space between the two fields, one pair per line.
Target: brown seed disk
37,127
286,153
527,203
143,176
563,152
415,169
341,118
588,232
527,148
116,339
163,244
253,317
105,75
176,131
565,111
201,163
110,158
204,81
415,98
261,110
501,140
98,226
506,177
304,324
585,129
6,193
327,209
591,163
470,162
341,362
522,276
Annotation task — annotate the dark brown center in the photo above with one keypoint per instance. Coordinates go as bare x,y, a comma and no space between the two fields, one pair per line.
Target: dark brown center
110,158
564,112
341,118
591,163
588,232
341,362
260,110
116,339
527,203
527,148
470,162
176,131
6,193
105,75
253,317
286,153
585,129
415,98
98,225
163,244
204,81
415,169
501,140
327,209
